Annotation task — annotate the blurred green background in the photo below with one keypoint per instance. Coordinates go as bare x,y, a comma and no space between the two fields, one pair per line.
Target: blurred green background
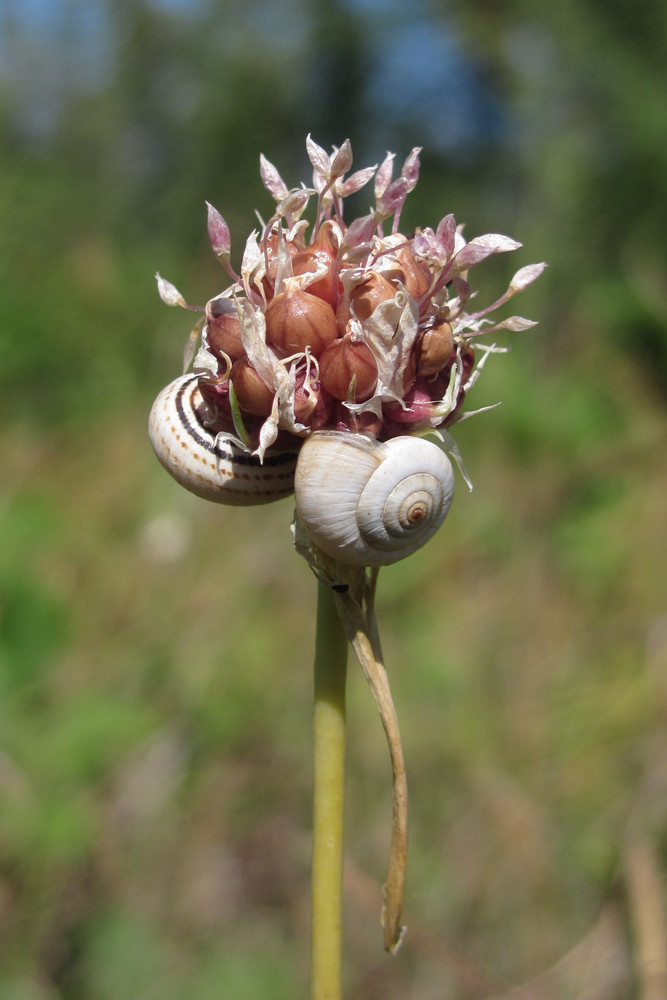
155,650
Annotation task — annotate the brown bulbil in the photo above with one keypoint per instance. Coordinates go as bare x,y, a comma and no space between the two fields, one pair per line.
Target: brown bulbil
341,362
223,330
311,259
252,393
296,319
434,349
369,293
415,276
321,251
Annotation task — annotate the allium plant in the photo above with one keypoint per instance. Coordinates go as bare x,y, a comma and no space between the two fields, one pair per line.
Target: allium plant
337,348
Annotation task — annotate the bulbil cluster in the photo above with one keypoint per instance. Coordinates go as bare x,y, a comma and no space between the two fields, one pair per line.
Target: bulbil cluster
340,326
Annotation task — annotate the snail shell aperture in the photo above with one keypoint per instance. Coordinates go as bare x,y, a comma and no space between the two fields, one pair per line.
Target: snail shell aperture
370,503
208,464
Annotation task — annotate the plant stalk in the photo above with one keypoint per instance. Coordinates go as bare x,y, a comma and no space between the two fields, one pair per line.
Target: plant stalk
328,796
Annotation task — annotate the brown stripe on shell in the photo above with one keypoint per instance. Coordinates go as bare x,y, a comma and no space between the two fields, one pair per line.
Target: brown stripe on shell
208,464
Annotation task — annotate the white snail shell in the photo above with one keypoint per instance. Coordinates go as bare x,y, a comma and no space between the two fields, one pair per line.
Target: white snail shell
370,503
211,465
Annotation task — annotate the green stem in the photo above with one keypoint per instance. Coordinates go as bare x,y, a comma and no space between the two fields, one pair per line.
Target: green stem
328,796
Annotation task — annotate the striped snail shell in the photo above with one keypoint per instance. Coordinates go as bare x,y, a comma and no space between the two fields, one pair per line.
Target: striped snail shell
370,503
208,464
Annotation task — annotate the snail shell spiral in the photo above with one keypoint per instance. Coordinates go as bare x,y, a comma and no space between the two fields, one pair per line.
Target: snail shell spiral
208,464
370,503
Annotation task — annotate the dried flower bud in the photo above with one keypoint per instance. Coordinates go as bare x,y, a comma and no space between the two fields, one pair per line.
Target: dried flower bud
346,360
296,319
434,349
253,395
369,293
223,330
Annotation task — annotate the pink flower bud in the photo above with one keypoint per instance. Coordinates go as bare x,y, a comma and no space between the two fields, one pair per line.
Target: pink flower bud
392,198
383,175
411,167
218,232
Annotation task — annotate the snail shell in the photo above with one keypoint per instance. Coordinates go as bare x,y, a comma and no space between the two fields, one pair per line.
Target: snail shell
370,503
208,464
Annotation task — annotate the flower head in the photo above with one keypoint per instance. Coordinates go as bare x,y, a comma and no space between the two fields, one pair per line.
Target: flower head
339,324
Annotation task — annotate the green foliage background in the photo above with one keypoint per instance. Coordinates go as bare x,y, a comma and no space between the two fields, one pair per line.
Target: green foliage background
155,651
